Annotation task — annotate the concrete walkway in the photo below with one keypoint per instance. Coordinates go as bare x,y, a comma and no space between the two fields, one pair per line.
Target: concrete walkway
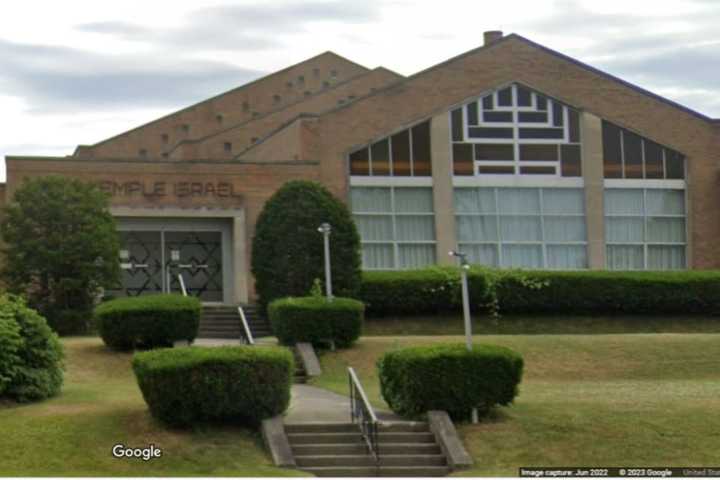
313,404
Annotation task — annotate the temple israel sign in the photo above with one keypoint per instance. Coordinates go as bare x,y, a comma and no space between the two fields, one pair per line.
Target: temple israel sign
164,189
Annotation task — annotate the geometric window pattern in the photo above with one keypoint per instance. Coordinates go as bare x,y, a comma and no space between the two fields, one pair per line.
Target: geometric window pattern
645,229
404,154
522,227
200,263
396,226
628,155
516,131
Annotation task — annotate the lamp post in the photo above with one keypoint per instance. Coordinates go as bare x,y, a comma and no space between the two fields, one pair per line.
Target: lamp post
464,267
325,230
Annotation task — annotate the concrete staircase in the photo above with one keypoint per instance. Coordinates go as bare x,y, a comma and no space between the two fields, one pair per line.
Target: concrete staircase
407,449
223,322
300,375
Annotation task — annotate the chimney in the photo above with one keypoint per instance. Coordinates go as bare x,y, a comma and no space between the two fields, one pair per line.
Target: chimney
492,36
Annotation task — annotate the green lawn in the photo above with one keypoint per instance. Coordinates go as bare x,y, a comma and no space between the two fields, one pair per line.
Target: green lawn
540,324
586,400
100,406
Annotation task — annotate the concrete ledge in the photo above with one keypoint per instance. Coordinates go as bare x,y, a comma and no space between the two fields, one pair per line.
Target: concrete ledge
309,359
273,432
447,437
181,343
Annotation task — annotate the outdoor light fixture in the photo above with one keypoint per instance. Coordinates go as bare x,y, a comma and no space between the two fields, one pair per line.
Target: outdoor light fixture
465,266
325,229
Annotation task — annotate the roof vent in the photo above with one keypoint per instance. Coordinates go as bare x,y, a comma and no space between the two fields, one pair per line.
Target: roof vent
492,36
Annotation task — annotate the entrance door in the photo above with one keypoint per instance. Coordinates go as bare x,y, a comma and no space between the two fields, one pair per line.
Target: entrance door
152,260
197,256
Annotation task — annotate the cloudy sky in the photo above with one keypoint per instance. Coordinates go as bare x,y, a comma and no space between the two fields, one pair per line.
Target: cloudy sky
76,72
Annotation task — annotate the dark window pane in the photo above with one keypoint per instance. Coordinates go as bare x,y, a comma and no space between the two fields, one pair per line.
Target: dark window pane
541,102
574,125
487,151
554,133
472,111
632,154
487,102
532,117
496,169
359,164
537,170
380,156
479,132
674,164
557,114
612,159
570,161
506,117
653,160
401,154
505,97
539,152
456,119
524,99
463,159
421,150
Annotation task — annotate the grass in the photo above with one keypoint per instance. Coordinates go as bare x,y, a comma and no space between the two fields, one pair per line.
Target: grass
100,406
539,324
585,400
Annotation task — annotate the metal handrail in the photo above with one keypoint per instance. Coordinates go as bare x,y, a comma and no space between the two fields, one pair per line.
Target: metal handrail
182,285
362,413
246,327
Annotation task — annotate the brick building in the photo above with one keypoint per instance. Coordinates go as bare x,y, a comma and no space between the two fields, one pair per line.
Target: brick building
518,155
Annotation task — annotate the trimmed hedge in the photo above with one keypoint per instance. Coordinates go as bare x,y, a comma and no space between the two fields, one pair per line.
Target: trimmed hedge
428,290
30,353
610,292
148,321
449,377
186,386
317,321
436,289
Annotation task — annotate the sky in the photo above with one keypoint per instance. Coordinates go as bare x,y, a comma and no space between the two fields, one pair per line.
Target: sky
77,72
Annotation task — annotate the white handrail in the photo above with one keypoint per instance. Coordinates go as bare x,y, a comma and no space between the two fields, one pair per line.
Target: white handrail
246,327
363,397
182,285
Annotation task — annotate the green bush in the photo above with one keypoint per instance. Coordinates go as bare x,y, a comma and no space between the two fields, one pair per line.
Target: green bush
30,353
71,322
449,377
148,321
317,321
287,249
185,386
609,292
428,290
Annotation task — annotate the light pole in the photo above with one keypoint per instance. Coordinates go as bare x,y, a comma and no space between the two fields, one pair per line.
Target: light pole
325,230
464,267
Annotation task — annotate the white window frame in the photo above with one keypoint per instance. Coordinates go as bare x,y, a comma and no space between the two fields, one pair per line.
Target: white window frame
645,186
393,214
543,242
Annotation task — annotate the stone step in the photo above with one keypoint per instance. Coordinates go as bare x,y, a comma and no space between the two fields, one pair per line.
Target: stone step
361,448
404,427
321,427
365,460
378,472
383,437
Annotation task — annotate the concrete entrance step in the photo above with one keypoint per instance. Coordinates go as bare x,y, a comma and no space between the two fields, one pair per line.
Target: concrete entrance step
378,472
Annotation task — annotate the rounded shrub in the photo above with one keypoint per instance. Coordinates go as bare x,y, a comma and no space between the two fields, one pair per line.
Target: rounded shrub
317,320
449,377
186,386
30,353
287,249
148,321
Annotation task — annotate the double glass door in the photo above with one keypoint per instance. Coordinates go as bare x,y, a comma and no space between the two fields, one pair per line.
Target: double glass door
152,261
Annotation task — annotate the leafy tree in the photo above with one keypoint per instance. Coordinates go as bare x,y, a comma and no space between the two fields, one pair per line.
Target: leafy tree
61,247
288,254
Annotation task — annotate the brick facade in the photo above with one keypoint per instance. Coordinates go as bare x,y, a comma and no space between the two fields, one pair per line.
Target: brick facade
234,150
